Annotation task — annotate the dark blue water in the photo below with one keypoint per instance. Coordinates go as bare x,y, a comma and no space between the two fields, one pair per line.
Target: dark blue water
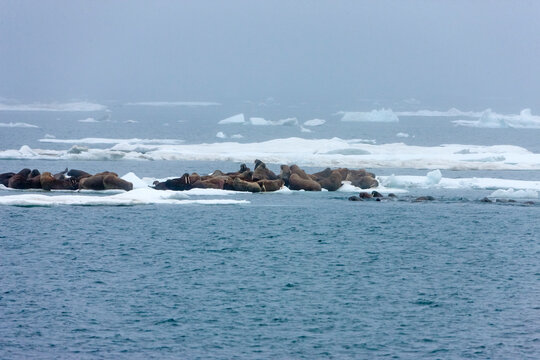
286,276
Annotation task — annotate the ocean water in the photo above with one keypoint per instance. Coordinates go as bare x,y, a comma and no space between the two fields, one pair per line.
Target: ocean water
219,275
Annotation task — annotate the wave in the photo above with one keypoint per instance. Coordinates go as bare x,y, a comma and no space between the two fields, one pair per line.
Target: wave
18,125
173,103
69,106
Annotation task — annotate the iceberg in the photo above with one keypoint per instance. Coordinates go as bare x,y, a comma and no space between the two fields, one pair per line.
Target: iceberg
235,119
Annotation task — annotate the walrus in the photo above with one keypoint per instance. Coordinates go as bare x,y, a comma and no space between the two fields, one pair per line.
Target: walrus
78,173
94,182
48,182
270,185
34,173
424,198
329,180
365,182
285,174
114,182
243,169
177,184
105,182
295,169
298,183
4,178
241,185
261,172
20,179
60,175
210,183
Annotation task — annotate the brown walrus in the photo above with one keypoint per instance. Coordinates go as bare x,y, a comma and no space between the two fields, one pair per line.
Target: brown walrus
20,179
48,182
270,185
242,185
261,172
4,178
285,174
105,182
298,183
328,179
209,183
78,173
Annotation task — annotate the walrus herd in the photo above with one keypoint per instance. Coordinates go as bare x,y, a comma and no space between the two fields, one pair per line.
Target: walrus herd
260,179
65,180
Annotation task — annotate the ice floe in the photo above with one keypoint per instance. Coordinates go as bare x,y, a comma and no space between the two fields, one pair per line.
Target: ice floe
335,152
88,120
382,115
489,119
69,106
142,196
314,122
235,119
514,194
435,180
18,125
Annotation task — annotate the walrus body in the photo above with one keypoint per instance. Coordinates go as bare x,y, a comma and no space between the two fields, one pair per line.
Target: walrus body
105,181
48,182
298,183
328,179
241,185
4,178
270,185
261,172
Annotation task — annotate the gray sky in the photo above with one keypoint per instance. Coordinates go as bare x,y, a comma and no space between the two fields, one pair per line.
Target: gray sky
443,53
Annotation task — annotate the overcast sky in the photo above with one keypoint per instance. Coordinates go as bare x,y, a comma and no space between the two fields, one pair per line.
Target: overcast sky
442,53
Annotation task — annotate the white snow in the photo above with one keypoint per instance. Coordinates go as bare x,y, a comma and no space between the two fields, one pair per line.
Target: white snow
514,194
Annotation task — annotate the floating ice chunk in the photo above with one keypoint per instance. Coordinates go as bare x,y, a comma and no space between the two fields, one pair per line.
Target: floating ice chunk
237,136
314,122
514,194
49,136
88,120
382,115
258,121
235,119
131,121
135,180
18,125
402,135
305,130
433,177
221,135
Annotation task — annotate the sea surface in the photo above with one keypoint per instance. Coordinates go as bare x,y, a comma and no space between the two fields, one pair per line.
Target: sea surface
220,275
